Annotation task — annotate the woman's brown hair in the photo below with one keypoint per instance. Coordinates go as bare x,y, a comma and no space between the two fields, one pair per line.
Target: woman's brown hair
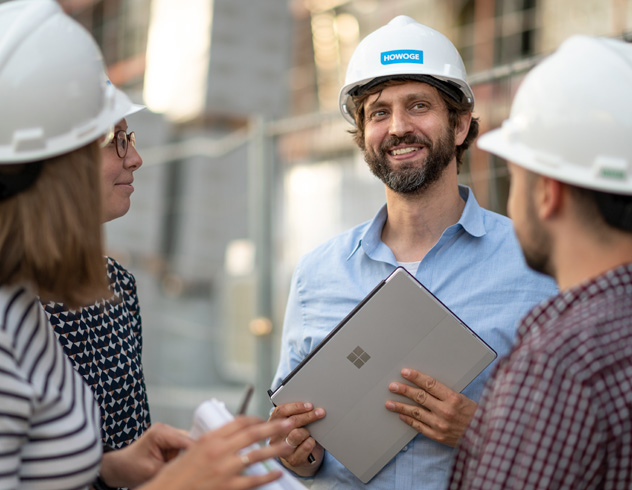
50,233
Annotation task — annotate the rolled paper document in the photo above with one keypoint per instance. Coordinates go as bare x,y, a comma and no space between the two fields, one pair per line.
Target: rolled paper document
213,414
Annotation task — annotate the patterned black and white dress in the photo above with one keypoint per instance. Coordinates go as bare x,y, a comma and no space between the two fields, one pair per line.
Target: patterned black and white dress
104,343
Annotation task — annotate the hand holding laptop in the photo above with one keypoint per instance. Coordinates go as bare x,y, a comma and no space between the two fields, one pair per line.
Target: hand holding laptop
446,415
399,325
308,454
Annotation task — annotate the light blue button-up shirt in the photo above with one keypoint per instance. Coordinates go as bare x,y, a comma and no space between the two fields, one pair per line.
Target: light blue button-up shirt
476,269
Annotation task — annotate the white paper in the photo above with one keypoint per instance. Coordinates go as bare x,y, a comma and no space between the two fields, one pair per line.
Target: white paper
213,414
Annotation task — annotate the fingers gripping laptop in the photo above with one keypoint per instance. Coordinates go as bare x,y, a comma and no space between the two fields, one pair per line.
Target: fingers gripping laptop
399,324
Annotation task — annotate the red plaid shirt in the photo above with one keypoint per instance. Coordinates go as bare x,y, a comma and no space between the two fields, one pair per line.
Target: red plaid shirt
557,413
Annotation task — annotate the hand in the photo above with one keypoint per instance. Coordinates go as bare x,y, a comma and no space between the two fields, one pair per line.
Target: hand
438,413
141,460
298,438
214,461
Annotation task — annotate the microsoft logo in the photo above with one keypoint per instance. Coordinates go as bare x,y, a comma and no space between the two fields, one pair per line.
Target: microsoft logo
358,357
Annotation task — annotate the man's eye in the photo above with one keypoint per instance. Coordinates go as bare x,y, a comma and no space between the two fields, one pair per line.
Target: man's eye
377,114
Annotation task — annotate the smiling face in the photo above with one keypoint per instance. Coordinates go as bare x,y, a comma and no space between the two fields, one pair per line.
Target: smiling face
117,177
407,136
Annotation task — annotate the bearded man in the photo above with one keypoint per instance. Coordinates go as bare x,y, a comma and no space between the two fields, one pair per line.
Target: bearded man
413,118
556,412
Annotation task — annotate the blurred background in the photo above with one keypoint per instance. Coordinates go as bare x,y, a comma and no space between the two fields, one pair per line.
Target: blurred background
248,163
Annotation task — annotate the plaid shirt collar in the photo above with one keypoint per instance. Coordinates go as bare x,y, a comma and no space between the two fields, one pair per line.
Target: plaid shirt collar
543,315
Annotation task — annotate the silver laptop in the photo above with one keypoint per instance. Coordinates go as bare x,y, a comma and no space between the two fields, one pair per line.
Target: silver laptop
399,324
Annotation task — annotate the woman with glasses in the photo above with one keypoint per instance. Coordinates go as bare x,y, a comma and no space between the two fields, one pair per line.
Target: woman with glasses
120,161
56,105
104,340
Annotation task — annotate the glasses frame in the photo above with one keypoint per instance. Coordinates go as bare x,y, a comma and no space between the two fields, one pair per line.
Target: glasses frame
128,138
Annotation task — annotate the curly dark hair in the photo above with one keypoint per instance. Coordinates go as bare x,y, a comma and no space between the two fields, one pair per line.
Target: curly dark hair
456,109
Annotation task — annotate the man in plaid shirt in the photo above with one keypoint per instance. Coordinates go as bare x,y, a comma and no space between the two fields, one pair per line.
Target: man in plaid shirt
557,413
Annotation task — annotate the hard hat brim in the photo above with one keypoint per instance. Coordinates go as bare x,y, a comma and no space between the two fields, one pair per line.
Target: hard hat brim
134,109
499,142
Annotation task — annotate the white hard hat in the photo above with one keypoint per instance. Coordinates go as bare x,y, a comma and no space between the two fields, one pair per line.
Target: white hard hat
405,47
53,90
571,118
134,109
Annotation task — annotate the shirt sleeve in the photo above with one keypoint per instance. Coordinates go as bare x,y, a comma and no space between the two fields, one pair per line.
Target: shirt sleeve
537,429
293,327
16,410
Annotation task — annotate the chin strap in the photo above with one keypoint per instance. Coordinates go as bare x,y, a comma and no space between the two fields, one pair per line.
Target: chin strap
14,183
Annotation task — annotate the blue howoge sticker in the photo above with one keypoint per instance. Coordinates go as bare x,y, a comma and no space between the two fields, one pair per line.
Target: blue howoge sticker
402,56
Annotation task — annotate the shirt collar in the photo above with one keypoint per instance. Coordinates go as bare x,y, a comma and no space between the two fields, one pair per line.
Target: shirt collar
371,239
471,221
619,279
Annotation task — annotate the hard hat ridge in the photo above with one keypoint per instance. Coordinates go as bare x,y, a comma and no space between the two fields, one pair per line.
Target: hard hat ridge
32,16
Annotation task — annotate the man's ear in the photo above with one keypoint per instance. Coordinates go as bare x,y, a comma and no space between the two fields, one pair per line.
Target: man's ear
462,128
549,197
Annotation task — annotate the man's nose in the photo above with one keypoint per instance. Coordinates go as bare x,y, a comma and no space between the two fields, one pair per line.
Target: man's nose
400,123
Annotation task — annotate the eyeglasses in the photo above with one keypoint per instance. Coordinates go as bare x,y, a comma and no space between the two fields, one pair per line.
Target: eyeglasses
122,140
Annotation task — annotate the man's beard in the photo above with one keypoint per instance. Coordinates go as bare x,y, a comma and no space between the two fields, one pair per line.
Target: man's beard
409,178
537,247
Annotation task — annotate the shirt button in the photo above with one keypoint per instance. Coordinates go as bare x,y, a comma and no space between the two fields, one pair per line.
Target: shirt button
405,448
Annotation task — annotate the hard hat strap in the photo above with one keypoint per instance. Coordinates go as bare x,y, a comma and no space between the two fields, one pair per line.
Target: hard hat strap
451,89
13,183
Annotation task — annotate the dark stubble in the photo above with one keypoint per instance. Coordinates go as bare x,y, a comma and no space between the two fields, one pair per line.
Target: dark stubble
412,178
535,240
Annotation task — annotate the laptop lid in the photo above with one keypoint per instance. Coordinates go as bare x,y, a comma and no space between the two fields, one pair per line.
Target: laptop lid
399,324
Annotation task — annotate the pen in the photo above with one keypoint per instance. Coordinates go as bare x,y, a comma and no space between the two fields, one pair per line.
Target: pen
244,404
